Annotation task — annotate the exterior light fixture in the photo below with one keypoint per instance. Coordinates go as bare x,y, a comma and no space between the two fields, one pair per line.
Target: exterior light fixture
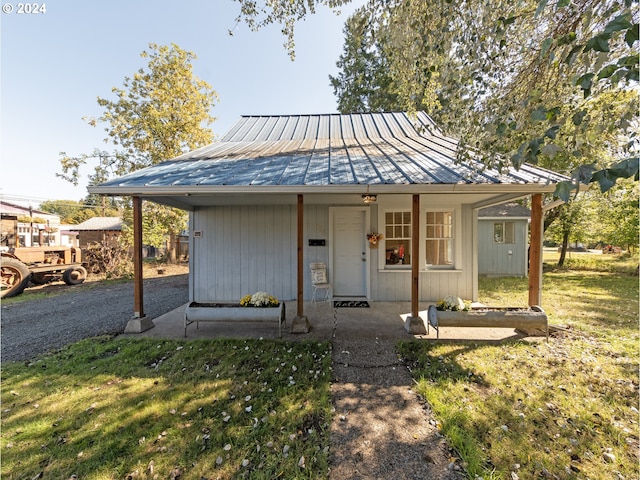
369,198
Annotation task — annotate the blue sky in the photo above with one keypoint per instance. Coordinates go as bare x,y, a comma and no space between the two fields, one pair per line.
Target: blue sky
54,65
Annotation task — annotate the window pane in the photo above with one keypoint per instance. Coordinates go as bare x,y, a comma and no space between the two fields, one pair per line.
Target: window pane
398,252
439,252
397,238
509,232
439,243
498,232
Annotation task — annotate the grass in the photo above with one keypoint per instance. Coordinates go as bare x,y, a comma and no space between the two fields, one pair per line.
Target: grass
109,408
565,409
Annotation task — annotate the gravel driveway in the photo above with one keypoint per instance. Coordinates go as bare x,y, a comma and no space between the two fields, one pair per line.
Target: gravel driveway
40,325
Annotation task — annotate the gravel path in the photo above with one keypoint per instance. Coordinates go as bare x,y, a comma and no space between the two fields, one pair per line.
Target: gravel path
37,326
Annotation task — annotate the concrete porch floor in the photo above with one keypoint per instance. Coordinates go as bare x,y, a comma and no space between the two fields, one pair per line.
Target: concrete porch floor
382,320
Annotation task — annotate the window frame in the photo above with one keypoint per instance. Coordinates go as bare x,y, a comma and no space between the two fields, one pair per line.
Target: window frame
504,232
452,239
386,239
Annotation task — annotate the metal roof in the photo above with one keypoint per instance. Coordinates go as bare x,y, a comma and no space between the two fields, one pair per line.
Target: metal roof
506,210
327,150
100,223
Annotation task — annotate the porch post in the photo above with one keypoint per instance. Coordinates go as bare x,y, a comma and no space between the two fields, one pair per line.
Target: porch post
535,251
300,323
414,324
139,323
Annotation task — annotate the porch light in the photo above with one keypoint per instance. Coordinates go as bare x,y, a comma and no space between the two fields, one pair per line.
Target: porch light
369,198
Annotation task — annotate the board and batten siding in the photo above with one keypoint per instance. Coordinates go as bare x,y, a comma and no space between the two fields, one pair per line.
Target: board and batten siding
239,250
502,259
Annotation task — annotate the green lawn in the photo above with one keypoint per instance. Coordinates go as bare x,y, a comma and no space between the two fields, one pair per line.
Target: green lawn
112,408
563,409
121,408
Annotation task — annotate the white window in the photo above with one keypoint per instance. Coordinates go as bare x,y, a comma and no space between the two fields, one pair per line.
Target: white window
504,232
397,237
439,239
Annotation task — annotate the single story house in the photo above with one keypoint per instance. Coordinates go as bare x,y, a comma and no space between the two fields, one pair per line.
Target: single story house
277,193
503,240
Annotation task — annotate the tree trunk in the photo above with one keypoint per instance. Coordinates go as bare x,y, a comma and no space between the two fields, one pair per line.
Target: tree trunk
565,246
172,256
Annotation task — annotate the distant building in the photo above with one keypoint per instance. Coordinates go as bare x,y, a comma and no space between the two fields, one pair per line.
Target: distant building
503,240
102,230
26,227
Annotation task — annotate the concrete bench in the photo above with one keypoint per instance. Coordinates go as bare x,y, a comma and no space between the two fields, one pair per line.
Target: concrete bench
489,317
226,312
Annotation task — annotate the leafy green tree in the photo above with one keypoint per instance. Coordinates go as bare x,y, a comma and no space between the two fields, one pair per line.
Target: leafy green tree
363,84
73,212
617,216
159,113
515,81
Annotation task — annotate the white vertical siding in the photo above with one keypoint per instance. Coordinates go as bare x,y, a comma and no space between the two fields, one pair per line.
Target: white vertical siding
244,249
494,258
316,226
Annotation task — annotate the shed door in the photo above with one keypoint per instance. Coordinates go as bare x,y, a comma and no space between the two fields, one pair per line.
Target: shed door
349,253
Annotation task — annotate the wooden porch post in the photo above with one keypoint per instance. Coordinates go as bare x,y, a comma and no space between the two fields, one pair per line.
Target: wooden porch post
535,251
414,324
138,296
300,297
300,323
139,323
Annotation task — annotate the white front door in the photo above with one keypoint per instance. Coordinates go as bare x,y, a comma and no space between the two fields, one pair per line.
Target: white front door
349,252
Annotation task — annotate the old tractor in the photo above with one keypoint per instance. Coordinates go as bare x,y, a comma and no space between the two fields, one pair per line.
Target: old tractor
39,265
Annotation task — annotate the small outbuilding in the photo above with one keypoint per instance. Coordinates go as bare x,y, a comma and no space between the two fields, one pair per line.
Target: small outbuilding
102,230
503,240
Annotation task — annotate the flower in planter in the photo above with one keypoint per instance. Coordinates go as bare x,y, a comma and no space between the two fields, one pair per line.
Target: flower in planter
454,304
259,299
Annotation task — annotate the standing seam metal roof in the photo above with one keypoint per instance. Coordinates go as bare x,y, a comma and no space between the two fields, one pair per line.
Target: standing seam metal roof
329,149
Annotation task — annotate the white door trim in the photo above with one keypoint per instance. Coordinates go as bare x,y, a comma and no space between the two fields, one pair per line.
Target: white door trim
367,223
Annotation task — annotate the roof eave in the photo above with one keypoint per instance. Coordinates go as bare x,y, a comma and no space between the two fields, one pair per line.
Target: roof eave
177,191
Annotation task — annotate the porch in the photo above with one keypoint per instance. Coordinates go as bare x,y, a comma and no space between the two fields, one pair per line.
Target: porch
380,321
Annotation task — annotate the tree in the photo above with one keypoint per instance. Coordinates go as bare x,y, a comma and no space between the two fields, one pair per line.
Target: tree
515,81
160,113
364,84
73,212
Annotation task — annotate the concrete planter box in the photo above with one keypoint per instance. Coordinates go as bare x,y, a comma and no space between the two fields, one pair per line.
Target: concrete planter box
530,320
233,312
